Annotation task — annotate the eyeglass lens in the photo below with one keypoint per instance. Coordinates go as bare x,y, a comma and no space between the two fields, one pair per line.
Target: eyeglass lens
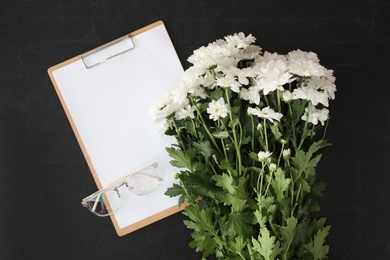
104,203
144,182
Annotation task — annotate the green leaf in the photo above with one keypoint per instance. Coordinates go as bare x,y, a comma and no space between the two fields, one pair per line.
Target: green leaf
226,182
304,162
190,127
203,242
280,184
313,206
254,156
241,188
217,94
175,190
225,164
266,210
318,188
238,204
240,223
316,246
233,123
195,184
221,134
275,131
238,245
261,219
204,148
181,160
205,236
288,231
265,245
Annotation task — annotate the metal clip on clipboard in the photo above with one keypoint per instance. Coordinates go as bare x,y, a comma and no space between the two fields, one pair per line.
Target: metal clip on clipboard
107,51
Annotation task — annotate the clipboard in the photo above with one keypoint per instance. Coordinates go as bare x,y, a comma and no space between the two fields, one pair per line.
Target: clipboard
106,94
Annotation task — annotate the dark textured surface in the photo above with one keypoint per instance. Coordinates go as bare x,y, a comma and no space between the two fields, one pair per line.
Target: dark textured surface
43,174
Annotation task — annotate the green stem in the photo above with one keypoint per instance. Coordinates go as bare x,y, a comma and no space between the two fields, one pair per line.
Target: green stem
270,179
222,141
179,136
281,153
305,128
253,134
266,100
294,143
207,130
260,178
185,189
251,254
265,134
326,128
236,143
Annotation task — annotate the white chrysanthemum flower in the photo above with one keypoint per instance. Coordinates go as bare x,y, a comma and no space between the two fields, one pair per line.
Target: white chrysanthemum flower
287,96
265,113
207,80
268,56
164,128
162,108
264,156
240,41
198,91
304,64
228,81
312,95
323,83
272,75
192,75
225,63
252,94
185,112
299,55
241,74
200,58
316,115
214,53
249,53
217,109
179,94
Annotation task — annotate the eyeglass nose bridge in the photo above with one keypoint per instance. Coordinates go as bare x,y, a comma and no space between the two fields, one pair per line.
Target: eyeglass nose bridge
126,183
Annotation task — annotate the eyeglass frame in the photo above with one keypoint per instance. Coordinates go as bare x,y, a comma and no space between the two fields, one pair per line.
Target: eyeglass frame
115,187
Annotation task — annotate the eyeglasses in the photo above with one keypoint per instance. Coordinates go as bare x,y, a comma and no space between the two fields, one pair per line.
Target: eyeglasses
108,200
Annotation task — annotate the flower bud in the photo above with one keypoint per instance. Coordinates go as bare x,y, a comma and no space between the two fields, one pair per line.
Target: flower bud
272,167
287,96
286,154
259,127
176,175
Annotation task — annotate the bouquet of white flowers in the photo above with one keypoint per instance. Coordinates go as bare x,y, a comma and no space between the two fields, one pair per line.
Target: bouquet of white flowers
250,130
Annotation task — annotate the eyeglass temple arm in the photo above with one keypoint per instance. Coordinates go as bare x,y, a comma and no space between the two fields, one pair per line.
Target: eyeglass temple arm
115,183
96,202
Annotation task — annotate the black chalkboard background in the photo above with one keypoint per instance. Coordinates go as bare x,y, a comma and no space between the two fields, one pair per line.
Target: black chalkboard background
43,174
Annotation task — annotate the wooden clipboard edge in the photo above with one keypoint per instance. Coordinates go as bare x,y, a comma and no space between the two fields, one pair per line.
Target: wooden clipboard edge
146,221
150,220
